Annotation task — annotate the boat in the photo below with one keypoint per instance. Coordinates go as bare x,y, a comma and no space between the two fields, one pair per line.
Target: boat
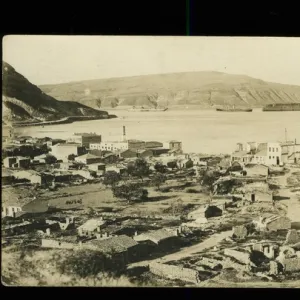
145,109
282,107
234,109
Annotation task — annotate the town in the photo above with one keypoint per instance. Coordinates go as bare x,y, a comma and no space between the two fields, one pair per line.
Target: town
150,211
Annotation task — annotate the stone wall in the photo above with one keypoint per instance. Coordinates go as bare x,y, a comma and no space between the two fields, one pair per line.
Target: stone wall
292,237
213,264
243,257
279,224
291,264
174,272
48,243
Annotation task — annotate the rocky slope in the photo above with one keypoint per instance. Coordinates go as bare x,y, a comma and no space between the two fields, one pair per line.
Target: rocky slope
21,100
200,88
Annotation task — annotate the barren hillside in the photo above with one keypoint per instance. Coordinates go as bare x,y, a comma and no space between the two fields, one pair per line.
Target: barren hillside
200,88
21,100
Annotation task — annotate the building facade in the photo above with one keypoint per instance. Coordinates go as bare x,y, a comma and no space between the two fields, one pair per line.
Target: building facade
258,153
62,151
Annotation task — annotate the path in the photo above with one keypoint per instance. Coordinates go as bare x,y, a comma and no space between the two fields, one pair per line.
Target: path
188,251
292,204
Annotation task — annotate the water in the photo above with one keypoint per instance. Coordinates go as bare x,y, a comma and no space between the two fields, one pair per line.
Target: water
200,131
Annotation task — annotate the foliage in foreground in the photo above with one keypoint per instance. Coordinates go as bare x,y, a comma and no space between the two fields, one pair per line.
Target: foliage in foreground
57,268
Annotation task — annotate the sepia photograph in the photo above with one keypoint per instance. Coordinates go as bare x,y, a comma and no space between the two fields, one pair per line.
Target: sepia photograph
150,161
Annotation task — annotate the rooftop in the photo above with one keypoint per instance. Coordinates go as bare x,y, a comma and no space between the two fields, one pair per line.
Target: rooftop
91,224
239,153
157,235
88,155
67,145
117,243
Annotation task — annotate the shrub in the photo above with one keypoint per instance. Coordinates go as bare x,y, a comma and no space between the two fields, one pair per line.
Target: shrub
192,191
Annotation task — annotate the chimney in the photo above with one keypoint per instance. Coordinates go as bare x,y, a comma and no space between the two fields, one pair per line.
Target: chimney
48,231
124,134
135,233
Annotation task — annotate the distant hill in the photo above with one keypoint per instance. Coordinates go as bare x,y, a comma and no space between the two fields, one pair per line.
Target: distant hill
21,100
200,88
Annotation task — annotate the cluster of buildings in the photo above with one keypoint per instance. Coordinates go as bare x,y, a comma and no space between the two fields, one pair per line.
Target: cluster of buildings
86,156
270,153
46,160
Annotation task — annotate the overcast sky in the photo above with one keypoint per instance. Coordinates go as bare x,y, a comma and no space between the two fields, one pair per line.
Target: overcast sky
58,59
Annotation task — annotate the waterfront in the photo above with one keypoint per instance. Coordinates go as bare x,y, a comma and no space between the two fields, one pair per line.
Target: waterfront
205,131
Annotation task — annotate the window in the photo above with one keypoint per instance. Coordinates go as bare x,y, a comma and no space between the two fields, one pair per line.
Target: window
276,149
273,150
273,156
269,157
270,149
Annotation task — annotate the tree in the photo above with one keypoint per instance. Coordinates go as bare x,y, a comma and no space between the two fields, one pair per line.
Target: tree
99,102
172,165
71,157
130,192
209,179
139,169
111,178
158,179
115,102
153,99
159,167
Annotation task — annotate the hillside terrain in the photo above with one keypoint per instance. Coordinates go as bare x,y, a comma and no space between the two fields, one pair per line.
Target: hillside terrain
204,89
22,100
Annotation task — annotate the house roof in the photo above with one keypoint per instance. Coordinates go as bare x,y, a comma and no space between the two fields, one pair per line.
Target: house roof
97,164
67,145
239,153
31,172
135,141
117,243
268,218
44,155
91,224
25,223
109,154
262,152
157,235
87,156
172,141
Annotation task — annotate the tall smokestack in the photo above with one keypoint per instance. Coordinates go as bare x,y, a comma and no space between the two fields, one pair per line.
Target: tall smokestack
124,134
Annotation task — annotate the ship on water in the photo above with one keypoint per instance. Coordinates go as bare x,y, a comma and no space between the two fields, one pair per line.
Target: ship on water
234,109
282,107
145,109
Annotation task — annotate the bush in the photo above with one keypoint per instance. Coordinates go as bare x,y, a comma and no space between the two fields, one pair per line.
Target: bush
192,191
130,192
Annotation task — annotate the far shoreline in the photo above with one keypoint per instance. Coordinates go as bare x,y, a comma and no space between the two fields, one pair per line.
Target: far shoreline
66,120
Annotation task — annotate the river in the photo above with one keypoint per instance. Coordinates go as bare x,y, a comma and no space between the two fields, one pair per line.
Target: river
201,131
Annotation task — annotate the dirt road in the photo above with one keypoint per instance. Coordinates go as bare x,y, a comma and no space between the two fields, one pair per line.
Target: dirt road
188,251
292,203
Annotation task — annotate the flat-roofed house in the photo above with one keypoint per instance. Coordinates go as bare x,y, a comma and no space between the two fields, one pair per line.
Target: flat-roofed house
62,151
258,153
91,227
88,159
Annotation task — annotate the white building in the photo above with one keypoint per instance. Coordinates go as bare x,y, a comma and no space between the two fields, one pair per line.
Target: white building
10,211
110,146
258,153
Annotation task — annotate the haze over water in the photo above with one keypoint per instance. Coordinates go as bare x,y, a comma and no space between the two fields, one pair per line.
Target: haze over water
201,131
